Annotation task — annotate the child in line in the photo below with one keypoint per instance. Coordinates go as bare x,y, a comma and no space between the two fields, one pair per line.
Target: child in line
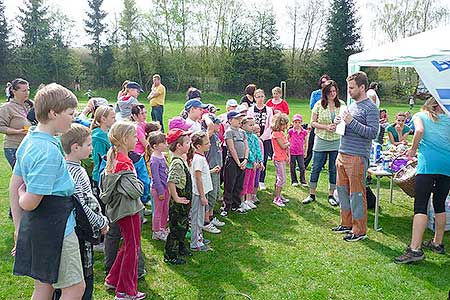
160,192
120,191
139,115
260,168
253,163
214,158
126,102
77,144
201,186
276,103
104,118
235,162
280,146
180,189
297,135
47,247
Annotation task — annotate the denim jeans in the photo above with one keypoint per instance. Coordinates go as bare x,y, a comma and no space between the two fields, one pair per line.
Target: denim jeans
268,151
318,162
10,154
157,115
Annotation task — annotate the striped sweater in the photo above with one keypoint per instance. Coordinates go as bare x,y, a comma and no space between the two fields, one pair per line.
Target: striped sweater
360,132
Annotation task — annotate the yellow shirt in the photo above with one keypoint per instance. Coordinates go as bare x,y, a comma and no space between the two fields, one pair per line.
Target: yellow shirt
158,100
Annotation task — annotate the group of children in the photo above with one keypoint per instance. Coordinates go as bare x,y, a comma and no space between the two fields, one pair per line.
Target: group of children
130,170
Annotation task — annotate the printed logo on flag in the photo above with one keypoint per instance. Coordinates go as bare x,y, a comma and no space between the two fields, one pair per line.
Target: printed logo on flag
441,65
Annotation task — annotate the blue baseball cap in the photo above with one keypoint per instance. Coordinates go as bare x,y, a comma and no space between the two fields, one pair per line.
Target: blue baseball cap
134,85
234,114
194,103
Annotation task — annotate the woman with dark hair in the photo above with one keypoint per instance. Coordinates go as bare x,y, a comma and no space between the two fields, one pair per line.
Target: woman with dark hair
249,99
326,141
432,142
315,97
398,132
13,118
372,93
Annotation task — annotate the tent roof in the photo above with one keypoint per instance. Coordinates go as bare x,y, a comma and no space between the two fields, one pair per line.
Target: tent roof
402,53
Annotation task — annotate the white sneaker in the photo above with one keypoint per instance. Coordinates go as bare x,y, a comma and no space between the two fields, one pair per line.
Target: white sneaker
216,222
211,228
244,206
295,184
277,201
250,204
262,186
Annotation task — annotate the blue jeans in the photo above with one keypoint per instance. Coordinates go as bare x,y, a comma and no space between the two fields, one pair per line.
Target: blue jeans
10,154
318,162
157,115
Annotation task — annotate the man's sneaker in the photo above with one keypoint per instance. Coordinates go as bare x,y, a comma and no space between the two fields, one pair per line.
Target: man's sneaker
147,212
217,222
436,248
123,296
332,201
410,256
224,213
250,204
295,184
240,211
262,186
309,199
109,286
278,202
351,237
176,261
341,229
202,248
211,228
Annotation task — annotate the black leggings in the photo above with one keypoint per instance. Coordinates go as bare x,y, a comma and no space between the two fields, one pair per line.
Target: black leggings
426,184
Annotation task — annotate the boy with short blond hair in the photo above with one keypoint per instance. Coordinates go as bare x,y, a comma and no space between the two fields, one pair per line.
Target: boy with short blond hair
77,144
47,248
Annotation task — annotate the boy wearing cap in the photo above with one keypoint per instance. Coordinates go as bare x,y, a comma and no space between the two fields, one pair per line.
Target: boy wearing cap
235,163
180,190
297,135
194,108
126,102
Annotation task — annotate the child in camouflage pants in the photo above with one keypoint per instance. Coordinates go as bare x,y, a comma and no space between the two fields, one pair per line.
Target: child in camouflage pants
180,189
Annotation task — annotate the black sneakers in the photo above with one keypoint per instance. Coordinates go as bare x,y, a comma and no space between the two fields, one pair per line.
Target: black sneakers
351,237
436,248
410,256
341,229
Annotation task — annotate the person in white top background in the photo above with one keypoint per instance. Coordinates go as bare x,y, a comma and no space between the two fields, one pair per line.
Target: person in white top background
372,93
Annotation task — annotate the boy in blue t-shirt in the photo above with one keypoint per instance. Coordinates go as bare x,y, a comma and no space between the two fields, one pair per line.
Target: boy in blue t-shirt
43,212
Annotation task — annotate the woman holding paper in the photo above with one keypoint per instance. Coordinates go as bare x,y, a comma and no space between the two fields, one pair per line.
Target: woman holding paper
326,142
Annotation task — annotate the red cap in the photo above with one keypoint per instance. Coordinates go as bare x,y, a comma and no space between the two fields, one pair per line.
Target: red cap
174,134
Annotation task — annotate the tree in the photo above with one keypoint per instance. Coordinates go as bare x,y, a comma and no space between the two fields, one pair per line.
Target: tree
4,43
342,39
94,27
34,22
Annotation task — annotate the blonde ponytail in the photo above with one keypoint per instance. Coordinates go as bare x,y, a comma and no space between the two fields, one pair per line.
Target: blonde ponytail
118,135
429,108
100,112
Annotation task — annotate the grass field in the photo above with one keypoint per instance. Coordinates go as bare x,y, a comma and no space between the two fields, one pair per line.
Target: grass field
273,253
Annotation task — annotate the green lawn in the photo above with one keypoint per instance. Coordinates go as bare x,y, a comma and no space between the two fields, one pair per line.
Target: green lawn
273,253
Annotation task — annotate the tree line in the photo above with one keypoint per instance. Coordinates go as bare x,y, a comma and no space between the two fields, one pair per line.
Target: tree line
217,45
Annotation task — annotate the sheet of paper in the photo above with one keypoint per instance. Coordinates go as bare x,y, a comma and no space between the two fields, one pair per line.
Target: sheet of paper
340,127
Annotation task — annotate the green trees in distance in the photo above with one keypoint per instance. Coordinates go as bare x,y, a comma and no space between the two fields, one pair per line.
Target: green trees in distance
5,45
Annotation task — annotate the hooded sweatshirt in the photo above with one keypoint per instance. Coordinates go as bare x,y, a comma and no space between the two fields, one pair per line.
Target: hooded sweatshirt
100,146
125,104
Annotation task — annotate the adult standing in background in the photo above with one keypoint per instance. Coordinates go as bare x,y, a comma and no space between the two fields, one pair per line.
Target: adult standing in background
157,98
7,91
361,127
249,99
13,118
77,83
372,93
315,97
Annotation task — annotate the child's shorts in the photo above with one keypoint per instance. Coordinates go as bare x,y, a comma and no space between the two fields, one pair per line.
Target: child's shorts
280,167
70,267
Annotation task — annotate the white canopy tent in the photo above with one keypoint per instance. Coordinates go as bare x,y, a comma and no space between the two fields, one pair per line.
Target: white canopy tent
427,52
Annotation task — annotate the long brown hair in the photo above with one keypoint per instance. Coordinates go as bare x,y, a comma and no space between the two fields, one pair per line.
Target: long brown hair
326,90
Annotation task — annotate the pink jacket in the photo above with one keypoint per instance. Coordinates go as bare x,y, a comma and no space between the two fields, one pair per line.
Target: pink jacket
267,134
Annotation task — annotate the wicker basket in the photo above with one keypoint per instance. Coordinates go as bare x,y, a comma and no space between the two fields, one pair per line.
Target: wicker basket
405,178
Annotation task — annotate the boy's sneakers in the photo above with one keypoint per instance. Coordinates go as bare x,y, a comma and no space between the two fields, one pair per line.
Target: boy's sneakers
211,228
240,211
123,296
159,235
332,201
341,229
304,184
217,222
176,261
202,248
224,213
309,199
295,184
351,237
262,186
436,248
278,202
250,204
410,256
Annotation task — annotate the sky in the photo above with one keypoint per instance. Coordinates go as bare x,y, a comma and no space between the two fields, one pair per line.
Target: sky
76,10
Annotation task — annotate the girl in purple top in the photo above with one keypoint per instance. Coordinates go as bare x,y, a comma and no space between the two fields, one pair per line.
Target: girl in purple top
297,137
160,192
